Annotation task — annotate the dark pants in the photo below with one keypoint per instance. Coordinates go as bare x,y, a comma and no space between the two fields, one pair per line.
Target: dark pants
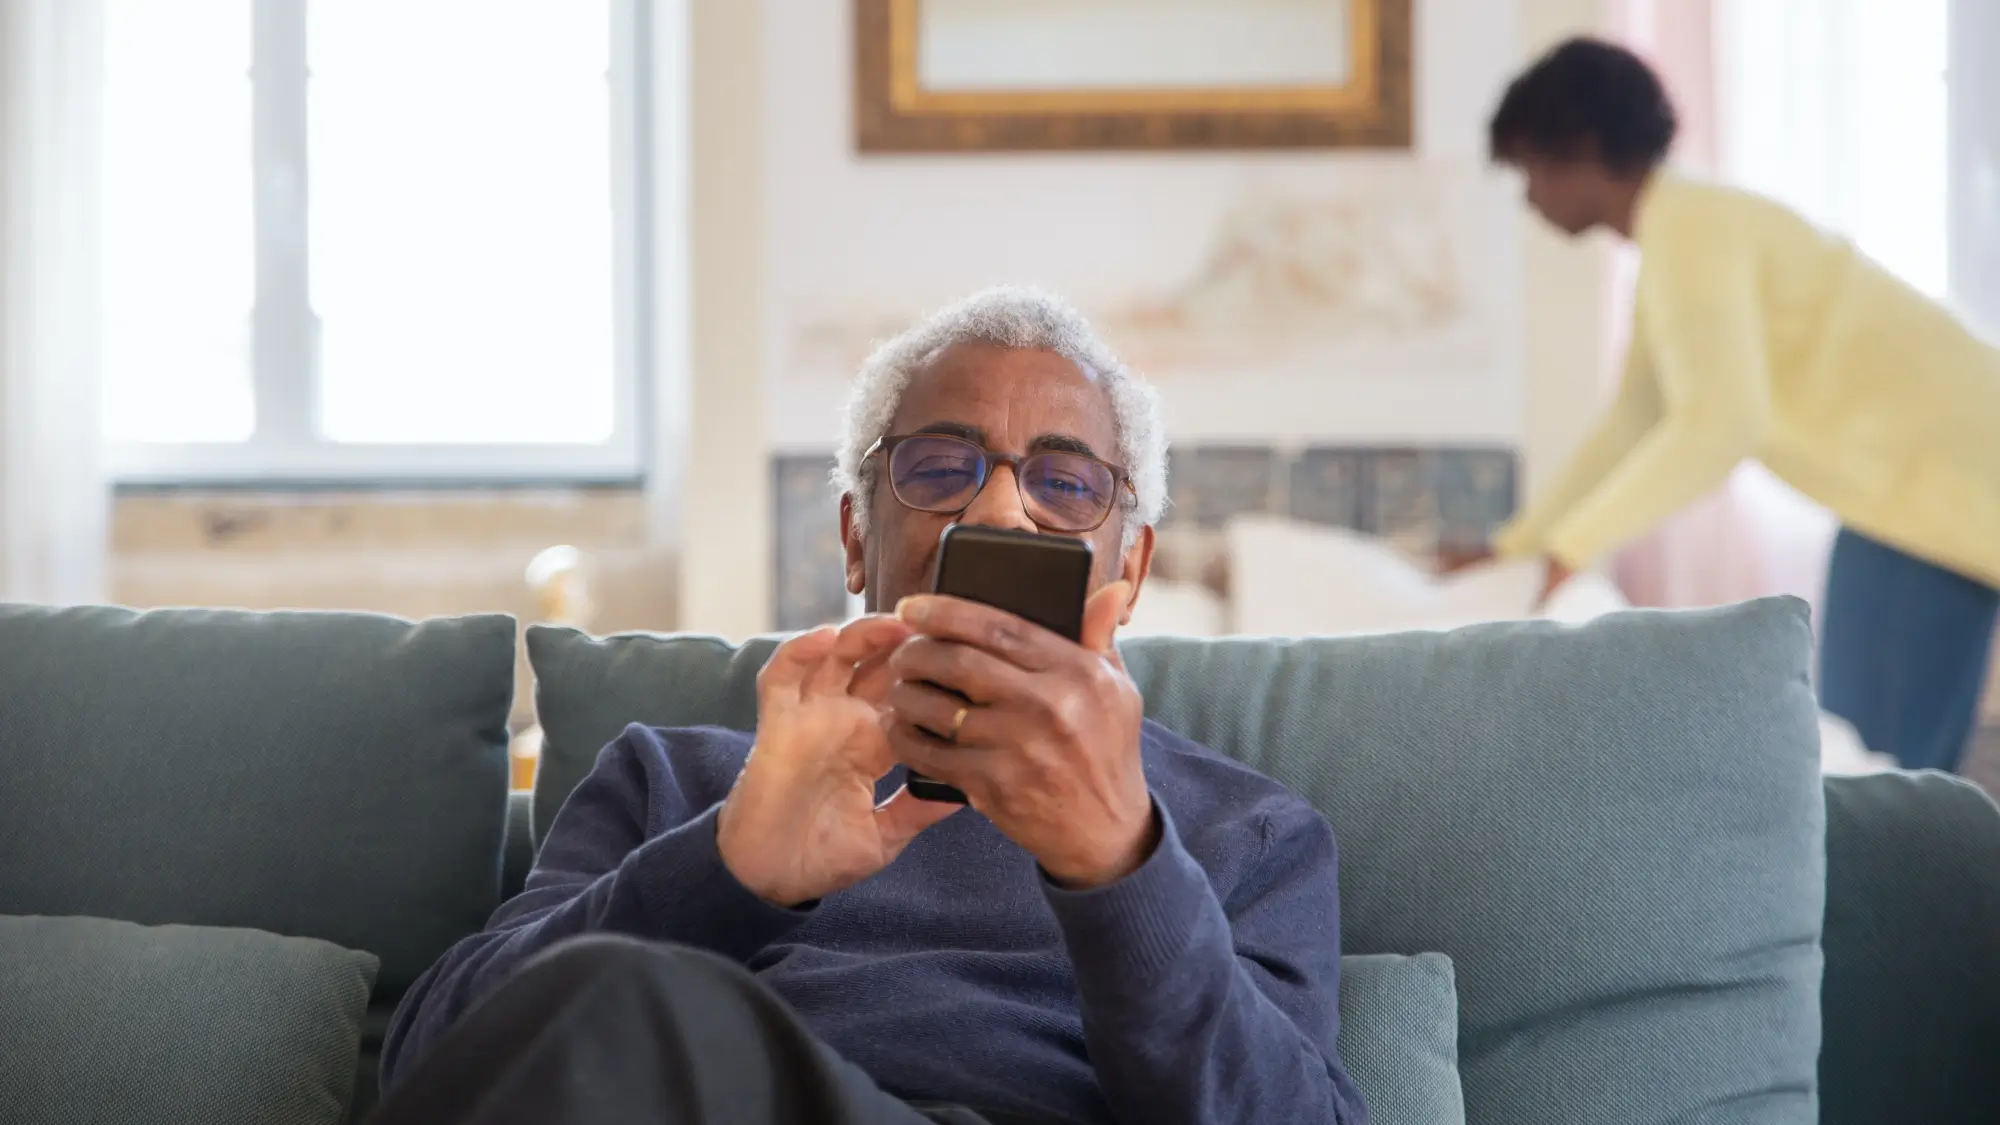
613,1030
1904,646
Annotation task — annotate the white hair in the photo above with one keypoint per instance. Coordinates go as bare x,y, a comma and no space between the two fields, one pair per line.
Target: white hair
1011,317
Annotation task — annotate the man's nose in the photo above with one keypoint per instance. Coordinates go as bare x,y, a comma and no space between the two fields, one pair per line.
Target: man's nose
999,503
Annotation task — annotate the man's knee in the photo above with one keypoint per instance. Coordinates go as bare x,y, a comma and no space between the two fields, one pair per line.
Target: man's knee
576,964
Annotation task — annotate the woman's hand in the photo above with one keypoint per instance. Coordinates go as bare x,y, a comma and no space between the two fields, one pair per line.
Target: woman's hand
1451,560
1557,573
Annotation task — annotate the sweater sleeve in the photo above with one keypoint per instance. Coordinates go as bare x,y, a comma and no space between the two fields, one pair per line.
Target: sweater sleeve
1704,330
1193,1015
1634,410
631,852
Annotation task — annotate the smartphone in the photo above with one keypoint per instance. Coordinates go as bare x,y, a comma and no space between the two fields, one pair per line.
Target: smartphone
1042,578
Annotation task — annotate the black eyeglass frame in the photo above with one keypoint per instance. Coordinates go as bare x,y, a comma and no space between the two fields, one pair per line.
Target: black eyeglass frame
886,446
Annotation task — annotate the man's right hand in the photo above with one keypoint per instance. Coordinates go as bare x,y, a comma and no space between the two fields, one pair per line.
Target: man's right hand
801,821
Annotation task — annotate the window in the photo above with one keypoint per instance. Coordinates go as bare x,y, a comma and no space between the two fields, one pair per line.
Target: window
393,239
1839,108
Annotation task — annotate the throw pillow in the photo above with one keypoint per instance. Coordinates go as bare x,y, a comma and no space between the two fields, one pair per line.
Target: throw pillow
119,1023
1399,1037
1615,830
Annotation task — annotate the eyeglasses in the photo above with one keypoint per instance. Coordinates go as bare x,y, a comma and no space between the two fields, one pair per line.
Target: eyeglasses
1060,490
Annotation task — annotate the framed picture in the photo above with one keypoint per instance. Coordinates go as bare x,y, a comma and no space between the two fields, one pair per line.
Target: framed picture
1022,75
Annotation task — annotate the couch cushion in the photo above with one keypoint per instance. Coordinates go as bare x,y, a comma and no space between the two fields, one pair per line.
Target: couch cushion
1912,992
1399,1037
114,1022
330,775
1615,831
588,688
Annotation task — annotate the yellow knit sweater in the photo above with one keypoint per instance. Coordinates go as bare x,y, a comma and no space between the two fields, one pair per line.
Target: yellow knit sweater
1755,334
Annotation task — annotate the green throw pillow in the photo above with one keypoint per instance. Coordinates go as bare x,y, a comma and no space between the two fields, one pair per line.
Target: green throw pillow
123,1024
1399,1037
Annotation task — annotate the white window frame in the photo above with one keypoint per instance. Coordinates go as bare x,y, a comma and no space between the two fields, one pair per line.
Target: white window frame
285,447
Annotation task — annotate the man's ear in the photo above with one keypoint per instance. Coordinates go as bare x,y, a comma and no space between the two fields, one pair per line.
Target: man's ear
1136,564
855,546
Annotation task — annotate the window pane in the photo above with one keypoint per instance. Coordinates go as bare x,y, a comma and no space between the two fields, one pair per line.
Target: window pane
177,260
1838,108
1900,194
461,219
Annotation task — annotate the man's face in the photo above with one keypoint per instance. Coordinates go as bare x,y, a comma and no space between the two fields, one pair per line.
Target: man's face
1007,401
1564,191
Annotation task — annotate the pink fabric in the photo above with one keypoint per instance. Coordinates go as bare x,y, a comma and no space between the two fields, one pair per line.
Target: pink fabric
1753,536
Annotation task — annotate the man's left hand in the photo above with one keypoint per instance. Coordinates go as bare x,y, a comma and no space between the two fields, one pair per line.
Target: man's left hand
1045,742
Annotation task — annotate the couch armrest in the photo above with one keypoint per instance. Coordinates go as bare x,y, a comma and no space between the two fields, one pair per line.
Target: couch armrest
518,854
1911,998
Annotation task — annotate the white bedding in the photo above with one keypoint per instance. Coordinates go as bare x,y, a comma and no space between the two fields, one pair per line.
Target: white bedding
1294,579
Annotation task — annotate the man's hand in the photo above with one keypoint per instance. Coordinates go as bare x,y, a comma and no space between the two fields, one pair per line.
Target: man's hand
801,821
1048,744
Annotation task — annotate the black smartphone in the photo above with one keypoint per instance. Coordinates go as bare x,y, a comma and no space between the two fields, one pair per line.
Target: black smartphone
1042,578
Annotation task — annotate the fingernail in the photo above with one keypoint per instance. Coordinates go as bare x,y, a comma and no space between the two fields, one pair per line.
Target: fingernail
903,608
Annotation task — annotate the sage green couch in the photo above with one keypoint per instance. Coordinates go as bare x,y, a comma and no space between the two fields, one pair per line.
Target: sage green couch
1616,833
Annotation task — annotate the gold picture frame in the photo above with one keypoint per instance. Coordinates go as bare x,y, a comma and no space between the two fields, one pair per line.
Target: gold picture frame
894,113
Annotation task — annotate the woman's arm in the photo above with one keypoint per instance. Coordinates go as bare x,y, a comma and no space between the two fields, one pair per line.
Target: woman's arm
1632,413
1704,337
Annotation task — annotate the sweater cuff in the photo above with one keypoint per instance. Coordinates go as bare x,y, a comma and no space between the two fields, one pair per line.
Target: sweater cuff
688,895
1129,934
1574,551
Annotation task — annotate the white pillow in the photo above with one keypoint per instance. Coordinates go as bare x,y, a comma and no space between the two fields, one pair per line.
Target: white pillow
1179,609
1288,578
1841,750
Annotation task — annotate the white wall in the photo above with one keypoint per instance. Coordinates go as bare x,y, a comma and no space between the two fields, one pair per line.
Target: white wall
902,234
1566,345
708,481
909,232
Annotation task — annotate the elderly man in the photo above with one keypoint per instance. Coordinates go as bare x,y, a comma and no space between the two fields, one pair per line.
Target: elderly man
767,927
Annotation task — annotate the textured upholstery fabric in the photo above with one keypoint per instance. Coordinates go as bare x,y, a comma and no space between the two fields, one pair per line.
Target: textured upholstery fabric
329,775
121,1024
1912,993
1399,1037
368,1064
1614,831
588,688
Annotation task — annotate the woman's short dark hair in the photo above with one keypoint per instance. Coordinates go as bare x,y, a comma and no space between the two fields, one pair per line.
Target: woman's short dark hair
1586,97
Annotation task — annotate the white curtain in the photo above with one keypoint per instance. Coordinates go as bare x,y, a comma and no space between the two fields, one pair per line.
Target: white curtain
1838,108
54,503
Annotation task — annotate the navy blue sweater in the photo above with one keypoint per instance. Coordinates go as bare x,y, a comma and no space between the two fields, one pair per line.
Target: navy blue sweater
1201,988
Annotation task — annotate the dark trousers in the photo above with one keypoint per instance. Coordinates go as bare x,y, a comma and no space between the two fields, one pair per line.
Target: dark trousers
613,1030
1904,646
